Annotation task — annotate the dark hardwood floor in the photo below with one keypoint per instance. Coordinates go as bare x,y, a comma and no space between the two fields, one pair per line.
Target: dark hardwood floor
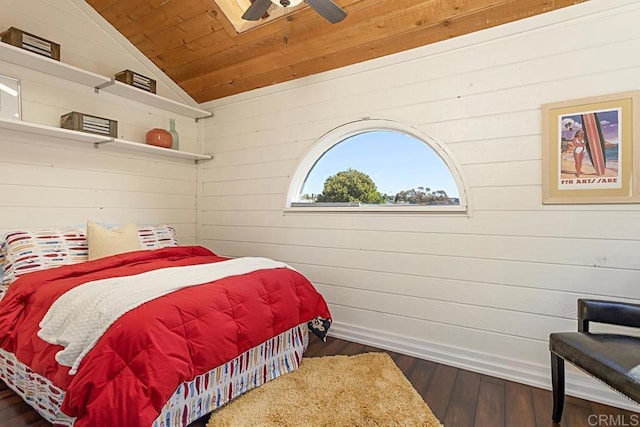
457,397
461,398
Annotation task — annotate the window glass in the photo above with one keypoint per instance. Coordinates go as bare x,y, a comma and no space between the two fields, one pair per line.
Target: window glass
378,168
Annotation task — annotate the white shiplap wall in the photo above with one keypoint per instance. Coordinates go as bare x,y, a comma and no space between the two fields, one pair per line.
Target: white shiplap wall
481,291
52,182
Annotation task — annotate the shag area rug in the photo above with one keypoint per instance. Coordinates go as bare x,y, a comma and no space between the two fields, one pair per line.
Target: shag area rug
362,390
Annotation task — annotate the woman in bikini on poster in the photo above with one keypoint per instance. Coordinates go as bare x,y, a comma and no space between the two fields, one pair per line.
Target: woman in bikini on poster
579,150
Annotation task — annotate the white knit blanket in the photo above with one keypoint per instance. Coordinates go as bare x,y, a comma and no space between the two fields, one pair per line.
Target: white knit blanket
78,318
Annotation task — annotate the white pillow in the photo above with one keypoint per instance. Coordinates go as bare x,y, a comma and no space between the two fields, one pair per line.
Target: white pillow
25,251
105,242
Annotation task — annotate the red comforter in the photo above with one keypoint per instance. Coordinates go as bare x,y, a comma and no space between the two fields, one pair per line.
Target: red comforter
143,357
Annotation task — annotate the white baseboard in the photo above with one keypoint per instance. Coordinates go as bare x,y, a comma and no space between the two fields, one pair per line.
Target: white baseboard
577,385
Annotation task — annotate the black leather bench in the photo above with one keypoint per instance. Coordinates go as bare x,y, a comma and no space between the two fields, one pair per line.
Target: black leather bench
612,358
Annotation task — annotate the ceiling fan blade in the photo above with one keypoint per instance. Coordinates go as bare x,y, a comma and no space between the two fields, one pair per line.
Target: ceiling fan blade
328,9
256,10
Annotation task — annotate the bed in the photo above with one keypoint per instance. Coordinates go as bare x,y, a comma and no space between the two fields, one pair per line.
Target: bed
158,336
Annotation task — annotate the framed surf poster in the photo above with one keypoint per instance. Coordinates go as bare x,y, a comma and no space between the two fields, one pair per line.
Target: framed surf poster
590,150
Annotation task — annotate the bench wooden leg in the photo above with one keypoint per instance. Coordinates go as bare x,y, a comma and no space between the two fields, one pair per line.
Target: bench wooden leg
557,380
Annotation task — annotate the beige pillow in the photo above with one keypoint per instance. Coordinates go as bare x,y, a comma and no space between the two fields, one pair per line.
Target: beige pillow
104,242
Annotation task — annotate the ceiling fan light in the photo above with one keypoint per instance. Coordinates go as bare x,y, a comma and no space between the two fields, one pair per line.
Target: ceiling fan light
292,3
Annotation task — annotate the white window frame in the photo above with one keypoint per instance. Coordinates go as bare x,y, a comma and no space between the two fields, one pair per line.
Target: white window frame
338,135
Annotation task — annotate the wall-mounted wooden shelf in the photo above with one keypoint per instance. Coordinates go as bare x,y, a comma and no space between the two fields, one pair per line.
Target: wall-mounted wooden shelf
151,149
50,131
52,67
37,62
148,98
23,127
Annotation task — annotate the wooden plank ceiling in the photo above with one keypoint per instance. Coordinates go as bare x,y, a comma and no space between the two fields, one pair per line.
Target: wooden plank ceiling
195,44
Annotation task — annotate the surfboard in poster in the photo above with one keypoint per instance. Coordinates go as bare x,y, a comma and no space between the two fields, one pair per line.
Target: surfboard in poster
590,150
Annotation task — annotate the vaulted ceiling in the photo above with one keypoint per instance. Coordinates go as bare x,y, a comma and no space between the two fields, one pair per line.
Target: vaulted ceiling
197,46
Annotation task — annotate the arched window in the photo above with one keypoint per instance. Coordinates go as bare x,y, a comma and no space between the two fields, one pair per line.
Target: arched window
377,165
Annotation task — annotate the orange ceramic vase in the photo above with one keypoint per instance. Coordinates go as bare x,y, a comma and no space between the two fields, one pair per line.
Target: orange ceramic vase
159,138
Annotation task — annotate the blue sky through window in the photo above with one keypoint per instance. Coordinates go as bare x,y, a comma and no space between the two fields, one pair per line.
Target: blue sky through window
395,161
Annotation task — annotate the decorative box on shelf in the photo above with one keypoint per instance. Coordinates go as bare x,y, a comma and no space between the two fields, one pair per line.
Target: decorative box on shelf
32,43
136,80
88,123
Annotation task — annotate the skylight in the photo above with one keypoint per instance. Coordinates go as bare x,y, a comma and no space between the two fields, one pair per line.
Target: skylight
234,9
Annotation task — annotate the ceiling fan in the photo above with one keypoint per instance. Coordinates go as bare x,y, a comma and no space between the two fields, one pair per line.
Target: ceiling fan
328,9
